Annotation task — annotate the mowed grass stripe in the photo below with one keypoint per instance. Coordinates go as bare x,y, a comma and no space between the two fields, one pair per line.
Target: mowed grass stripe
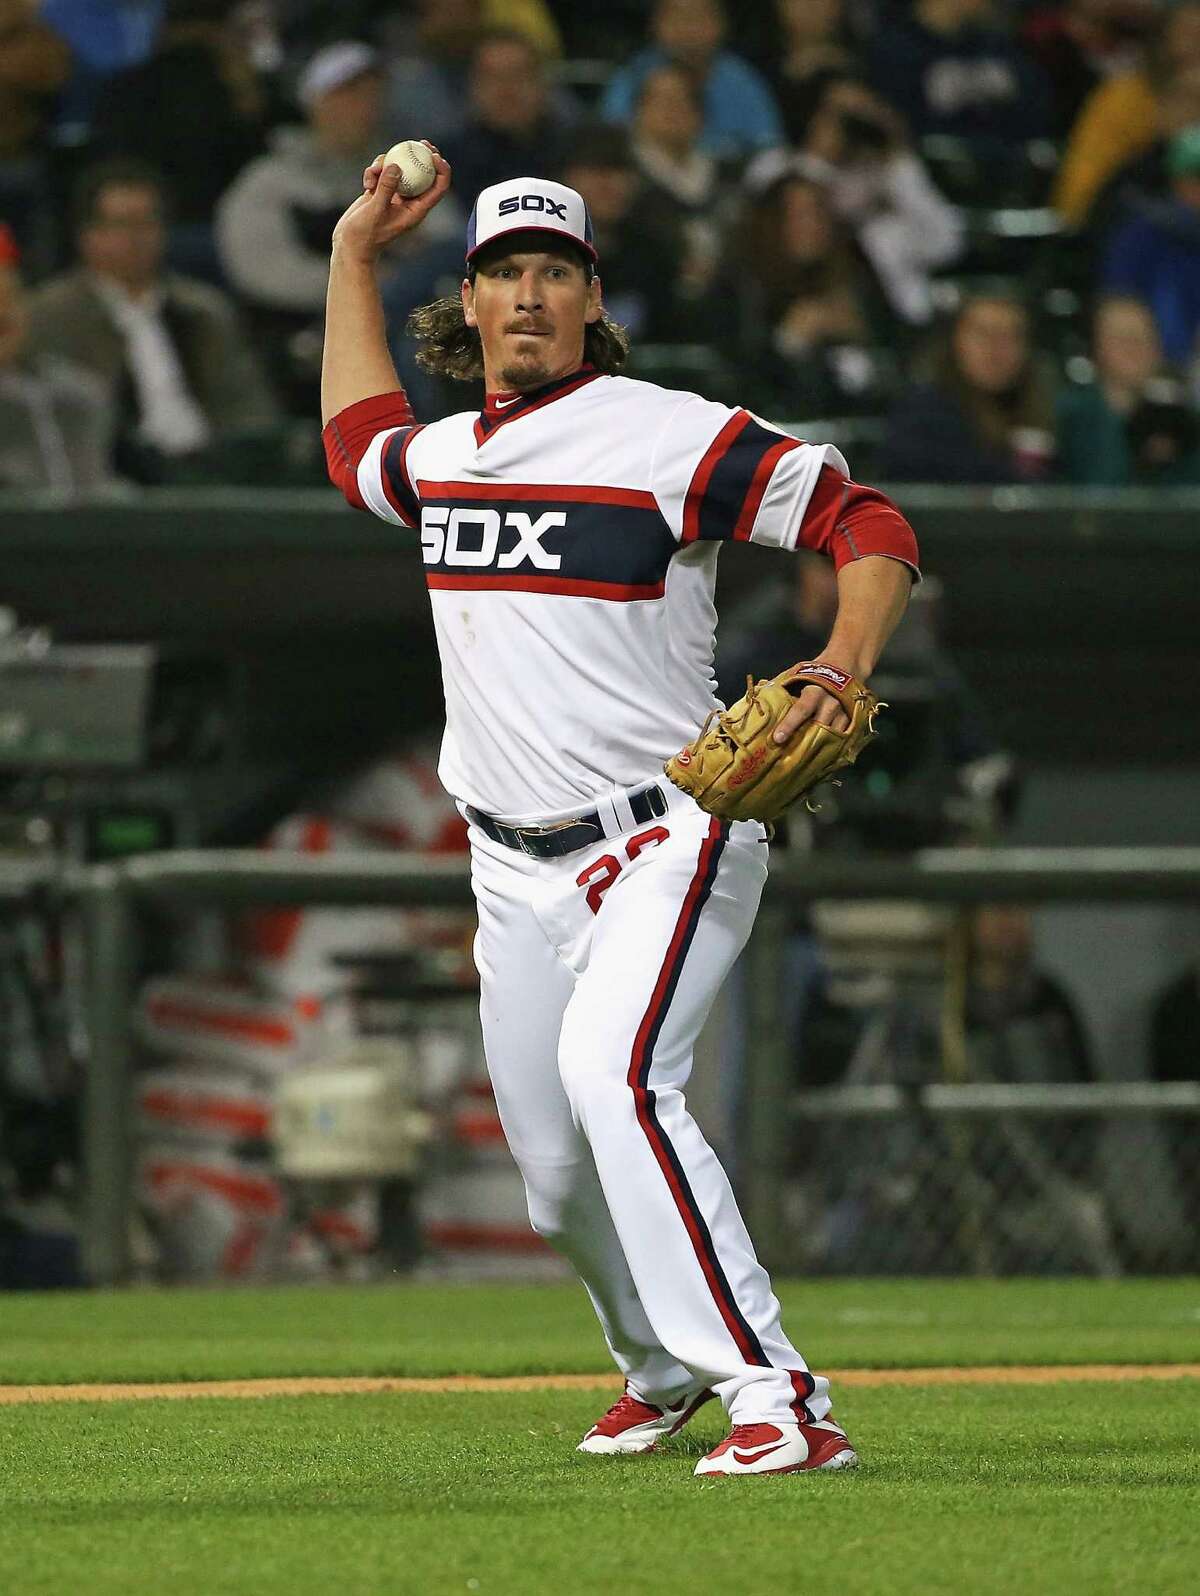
965,1491
432,1329
374,1385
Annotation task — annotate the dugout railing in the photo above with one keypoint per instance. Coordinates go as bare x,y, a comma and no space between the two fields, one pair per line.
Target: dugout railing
115,899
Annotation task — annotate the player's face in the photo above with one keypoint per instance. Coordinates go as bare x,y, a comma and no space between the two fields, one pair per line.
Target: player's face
531,308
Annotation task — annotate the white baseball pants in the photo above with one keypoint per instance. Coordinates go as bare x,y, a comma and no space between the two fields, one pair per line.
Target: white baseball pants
597,972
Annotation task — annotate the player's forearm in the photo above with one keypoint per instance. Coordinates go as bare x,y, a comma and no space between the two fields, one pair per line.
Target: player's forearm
355,363
872,596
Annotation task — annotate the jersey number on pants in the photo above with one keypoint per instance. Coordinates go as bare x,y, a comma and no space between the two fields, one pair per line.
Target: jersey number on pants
602,872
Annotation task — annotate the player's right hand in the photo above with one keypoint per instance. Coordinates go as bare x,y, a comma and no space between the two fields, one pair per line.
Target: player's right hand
381,213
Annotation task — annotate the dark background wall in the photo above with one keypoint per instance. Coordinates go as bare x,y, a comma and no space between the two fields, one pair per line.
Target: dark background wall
1075,616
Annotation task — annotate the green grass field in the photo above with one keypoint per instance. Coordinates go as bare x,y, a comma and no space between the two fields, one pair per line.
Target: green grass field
1088,1488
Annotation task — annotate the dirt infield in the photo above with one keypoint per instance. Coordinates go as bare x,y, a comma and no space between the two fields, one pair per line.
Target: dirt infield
346,1385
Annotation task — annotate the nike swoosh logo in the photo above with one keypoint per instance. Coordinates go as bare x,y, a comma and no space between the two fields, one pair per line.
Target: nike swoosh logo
503,404
759,1452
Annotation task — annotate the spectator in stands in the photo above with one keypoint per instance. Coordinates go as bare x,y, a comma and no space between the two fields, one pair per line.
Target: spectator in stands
857,147
1034,1191
1021,1027
812,307
105,37
815,47
1121,119
514,129
1147,178
170,351
55,420
1009,1000
612,32
428,86
274,223
642,251
1155,256
1132,422
679,179
34,64
1080,44
740,114
199,106
275,220
428,67
950,70
534,19
985,412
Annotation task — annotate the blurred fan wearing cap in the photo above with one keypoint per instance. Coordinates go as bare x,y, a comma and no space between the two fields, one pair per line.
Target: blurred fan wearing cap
273,223
1155,255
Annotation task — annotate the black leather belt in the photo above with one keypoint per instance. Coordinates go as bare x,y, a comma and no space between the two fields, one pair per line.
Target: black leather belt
566,836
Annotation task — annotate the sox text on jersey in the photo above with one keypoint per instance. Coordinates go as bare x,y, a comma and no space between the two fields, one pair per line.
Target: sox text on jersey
570,542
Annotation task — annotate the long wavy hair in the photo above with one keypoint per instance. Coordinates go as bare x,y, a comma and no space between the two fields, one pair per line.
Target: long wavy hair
1028,402
449,348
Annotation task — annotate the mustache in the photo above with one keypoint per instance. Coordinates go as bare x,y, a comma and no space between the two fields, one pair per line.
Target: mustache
528,326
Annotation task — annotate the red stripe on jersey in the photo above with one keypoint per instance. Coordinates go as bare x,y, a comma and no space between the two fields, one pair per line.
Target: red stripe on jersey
758,488
541,493
702,475
480,581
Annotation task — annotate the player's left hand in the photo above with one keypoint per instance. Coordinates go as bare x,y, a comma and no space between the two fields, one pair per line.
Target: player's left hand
815,704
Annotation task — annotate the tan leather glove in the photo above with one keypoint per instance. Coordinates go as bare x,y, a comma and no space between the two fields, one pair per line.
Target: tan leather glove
736,770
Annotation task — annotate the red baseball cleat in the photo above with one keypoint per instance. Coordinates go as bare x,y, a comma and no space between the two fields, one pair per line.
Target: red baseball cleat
781,1449
632,1425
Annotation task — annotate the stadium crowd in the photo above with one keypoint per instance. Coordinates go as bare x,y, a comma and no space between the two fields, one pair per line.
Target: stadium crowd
964,234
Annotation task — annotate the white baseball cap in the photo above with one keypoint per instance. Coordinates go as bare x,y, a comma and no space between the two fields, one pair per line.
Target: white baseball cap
333,66
529,205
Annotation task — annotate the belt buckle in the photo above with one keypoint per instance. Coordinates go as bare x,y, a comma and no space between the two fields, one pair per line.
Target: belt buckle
562,825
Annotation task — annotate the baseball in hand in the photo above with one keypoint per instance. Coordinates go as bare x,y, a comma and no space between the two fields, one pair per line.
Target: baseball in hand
417,170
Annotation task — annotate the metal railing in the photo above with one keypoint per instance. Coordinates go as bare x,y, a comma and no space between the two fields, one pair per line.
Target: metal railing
114,897
946,876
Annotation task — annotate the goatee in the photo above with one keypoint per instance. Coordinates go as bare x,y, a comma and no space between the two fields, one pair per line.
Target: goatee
520,375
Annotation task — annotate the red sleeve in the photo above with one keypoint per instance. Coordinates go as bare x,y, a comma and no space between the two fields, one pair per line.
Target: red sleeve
846,521
347,435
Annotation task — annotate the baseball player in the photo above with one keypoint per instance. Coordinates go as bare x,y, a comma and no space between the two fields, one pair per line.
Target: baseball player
570,533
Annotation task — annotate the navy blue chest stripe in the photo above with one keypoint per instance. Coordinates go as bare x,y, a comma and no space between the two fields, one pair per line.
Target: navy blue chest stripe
627,546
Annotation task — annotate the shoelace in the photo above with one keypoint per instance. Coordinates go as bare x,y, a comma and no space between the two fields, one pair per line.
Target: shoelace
623,1412
745,1435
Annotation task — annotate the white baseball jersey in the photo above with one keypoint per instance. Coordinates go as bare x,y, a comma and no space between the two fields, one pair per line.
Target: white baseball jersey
570,541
